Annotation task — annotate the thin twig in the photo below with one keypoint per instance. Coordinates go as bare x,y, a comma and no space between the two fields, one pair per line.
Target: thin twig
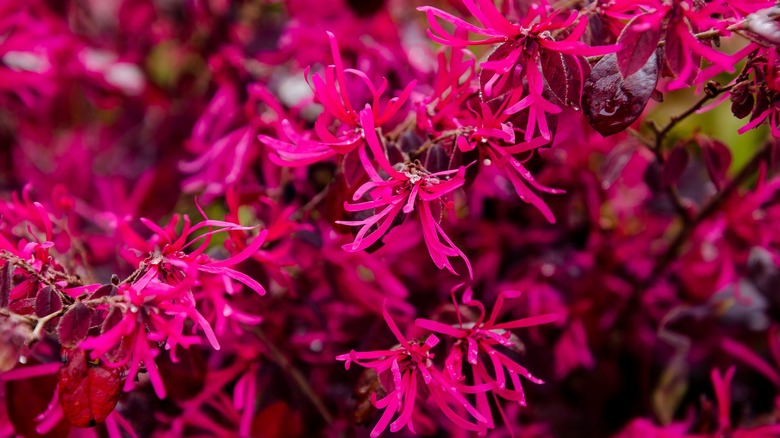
711,90
7,256
430,143
706,211
36,334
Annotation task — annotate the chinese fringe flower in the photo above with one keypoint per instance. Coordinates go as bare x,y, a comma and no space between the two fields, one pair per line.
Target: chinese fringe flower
331,92
405,190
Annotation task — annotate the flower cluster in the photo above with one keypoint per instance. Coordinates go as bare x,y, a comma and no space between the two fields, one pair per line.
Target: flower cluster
398,370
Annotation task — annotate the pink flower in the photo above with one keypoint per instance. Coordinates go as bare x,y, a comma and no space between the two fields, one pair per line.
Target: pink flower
331,92
525,46
496,138
402,192
406,364
478,340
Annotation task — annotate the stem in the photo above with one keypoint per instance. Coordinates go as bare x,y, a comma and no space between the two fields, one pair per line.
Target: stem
706,211
9,257
711,90
279,358
430,143
36,334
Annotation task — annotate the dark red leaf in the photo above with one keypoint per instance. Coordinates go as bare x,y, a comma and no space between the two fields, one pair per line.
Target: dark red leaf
677,54
675,165
653,177
717,159
88,390
74,325
107,290
639,40
47,301
25,306
492,85
118,353
352,168
578,71
612,102
742,100
554,71
436,159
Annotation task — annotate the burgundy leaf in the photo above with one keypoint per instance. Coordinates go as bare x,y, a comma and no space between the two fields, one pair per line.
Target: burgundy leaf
717,159
88,391
118,353
352,168
742,100
107,290
25,306
639,40
577,69
653,177
612,102
74,325
5,284
762,104
490,84
436,159
554,70
678,55
47,301
598,33
675,165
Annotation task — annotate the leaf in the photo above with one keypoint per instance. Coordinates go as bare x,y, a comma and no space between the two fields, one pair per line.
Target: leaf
118,353
639,40
675,165
107,290
436,159
47,301
25,306
352,168
554,71
678,56
717,159
74,325
492,84
578,70
88,391
742,100
612,102
5,284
